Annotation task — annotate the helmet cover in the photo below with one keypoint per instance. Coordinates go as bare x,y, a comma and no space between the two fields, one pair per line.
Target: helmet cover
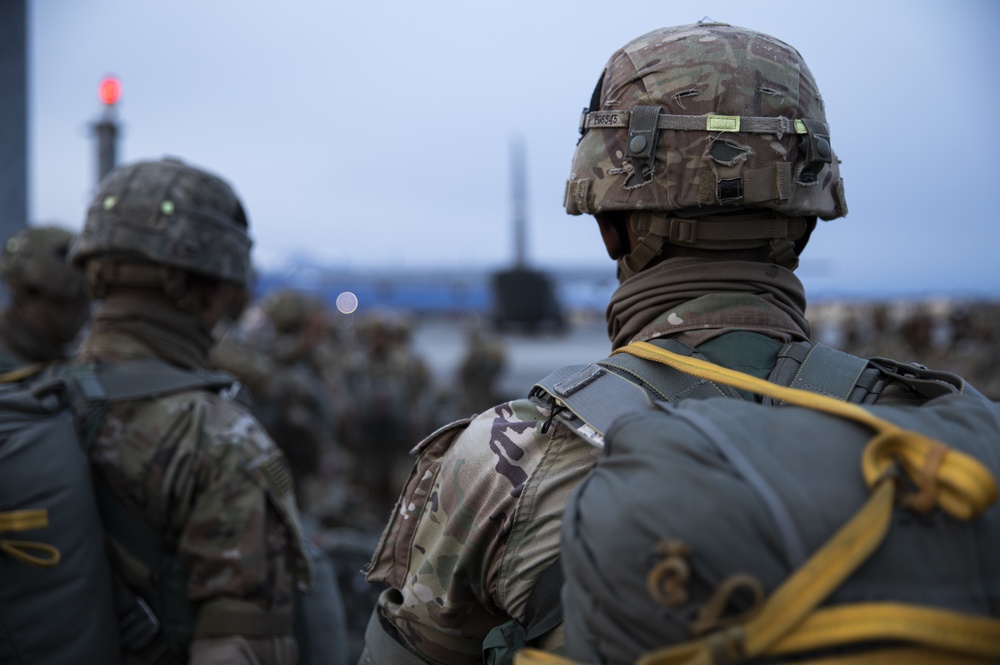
34,258
706,116
168,213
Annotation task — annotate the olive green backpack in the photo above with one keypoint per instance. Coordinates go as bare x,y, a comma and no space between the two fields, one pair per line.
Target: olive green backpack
59,601
811,530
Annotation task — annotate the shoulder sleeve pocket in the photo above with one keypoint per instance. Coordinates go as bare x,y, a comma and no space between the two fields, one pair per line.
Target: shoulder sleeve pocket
392,556
272,475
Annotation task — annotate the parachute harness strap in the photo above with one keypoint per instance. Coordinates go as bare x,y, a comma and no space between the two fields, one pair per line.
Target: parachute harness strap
789,621
21,550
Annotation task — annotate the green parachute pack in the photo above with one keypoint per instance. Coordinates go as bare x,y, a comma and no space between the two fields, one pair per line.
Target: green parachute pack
59,600
807,529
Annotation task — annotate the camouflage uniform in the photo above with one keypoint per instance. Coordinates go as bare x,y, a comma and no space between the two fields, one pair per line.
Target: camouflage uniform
199,469
479,518
163,245
705,158
48,306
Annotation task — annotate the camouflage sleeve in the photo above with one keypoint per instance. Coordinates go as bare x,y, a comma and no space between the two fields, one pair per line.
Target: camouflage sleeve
200,470
476,524
240,540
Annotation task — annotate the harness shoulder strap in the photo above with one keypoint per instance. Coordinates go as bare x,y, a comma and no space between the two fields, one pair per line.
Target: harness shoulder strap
926,382
664,382
158,625
588,398
141,379
824,370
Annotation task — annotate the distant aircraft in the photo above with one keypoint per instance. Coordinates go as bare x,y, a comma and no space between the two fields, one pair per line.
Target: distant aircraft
522,296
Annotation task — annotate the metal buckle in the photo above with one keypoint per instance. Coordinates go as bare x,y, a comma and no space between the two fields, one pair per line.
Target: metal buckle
683,230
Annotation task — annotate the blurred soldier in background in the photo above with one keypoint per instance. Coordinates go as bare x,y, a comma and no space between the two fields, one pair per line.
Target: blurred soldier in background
284,363
166,250
47,306
479,371
937,333
304,339
390,386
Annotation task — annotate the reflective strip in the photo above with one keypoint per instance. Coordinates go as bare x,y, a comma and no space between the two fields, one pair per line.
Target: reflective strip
705,123
722,123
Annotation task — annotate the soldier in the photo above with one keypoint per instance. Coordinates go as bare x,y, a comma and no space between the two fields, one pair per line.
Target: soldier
165,249
479,371
47,303
283,365
705,158
385,381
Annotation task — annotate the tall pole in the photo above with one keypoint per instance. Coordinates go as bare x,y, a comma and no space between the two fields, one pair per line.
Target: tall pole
13,116
519,202
106,129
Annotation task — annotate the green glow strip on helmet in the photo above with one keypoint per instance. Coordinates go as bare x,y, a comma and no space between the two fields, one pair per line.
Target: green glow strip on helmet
779,125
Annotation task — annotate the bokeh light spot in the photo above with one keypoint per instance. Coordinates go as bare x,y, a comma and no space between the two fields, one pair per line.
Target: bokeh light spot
347,302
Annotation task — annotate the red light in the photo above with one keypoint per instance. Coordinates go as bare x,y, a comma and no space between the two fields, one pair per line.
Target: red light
110,91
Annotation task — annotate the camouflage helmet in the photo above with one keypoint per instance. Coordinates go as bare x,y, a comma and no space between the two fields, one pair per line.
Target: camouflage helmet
34,259
713,136
167,213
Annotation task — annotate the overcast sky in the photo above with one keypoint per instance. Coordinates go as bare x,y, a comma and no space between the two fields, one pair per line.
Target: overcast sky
377,133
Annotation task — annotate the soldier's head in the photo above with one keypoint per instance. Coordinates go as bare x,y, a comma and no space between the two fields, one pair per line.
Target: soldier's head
705,140
44,289
290,311
378,329
170,229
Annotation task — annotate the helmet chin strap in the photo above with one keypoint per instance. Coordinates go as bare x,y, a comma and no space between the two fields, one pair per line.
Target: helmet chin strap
173,282
783,253
654,230
648,247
